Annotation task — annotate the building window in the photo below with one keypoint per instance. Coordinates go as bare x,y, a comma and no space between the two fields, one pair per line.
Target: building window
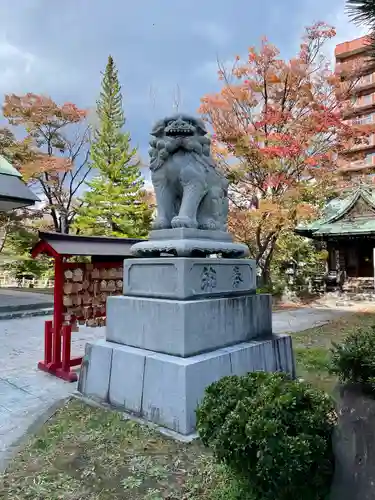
369,158
366,99
363,120
366,79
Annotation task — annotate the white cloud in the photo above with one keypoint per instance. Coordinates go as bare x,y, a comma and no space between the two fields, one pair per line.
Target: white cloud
15,65
213,32
346,30
209,69
23,71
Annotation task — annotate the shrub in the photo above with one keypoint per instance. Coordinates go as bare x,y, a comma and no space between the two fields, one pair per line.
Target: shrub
272,431
353,361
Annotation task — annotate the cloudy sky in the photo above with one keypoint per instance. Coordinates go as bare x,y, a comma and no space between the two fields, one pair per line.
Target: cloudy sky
165,50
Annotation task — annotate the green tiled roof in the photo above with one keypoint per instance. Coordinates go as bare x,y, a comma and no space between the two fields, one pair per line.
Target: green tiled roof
331,223
364,227
7,169
13,191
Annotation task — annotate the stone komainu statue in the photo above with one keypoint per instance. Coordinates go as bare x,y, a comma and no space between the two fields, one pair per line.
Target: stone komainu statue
190,191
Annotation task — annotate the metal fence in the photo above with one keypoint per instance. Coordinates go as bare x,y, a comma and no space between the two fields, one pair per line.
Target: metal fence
8,282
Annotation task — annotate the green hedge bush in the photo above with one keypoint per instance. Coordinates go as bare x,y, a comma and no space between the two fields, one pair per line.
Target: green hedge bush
272,431
353,360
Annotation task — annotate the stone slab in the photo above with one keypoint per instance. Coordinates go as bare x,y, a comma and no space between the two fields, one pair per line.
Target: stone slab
189,248
185,233
186,328
188,242
166,389
188,278
99,379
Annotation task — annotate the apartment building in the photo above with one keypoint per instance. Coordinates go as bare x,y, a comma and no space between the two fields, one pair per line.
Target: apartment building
360,158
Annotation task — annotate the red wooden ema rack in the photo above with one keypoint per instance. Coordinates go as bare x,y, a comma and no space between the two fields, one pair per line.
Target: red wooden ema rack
104,253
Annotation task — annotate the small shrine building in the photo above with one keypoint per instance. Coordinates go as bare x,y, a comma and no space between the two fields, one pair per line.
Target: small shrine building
347,227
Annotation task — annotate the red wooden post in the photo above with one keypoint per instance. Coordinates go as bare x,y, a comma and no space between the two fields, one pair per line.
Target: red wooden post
58,311
64,371
45,364
48,342
66,346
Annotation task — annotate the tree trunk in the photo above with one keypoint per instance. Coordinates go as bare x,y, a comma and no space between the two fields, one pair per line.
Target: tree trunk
3,235
265,278
354,445
64,224
265,266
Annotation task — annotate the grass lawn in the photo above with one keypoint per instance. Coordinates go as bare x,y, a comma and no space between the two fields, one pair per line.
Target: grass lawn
311,347
87,453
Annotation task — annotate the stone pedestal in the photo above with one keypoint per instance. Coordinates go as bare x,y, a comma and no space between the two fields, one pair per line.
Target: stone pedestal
182,324
188,242
166,389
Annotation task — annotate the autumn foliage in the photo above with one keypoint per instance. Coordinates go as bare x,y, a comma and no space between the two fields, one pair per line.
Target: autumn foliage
278,130
57,137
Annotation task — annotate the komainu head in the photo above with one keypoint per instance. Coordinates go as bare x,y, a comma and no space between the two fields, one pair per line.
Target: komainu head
179,125
178,133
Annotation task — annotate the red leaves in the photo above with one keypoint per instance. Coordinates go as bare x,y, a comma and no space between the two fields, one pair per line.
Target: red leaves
44,121
285,110
278,125
320,31
36,110
42,163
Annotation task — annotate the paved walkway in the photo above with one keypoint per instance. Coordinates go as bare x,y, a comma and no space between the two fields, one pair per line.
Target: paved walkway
13,300
26,393
297,320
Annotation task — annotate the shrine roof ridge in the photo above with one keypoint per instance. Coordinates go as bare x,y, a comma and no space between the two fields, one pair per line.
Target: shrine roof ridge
58,244
333,221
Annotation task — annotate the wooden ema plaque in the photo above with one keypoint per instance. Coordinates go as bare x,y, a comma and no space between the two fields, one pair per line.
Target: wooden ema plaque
85,291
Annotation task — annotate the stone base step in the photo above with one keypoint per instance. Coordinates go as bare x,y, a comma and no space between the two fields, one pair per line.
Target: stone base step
166,389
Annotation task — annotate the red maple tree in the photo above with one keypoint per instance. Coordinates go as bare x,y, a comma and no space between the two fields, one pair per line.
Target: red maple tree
58,136
278,129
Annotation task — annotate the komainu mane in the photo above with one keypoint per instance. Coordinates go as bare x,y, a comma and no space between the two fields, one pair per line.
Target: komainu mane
190,191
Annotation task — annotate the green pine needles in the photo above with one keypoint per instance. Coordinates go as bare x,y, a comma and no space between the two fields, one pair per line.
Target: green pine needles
114,203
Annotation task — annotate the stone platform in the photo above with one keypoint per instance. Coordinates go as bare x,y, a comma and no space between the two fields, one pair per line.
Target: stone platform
188,278
182,324
186,328
166,389
188,242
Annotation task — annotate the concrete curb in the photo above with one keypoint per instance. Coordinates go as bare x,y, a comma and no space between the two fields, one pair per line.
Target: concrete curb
38,423
26,313
26,307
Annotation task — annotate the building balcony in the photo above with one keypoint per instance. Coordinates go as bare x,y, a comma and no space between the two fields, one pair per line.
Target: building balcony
356,68
365,82
362,121
362,165
360,104
370,144
351,48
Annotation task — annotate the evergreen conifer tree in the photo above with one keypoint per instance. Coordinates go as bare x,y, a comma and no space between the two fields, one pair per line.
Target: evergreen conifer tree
115,203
